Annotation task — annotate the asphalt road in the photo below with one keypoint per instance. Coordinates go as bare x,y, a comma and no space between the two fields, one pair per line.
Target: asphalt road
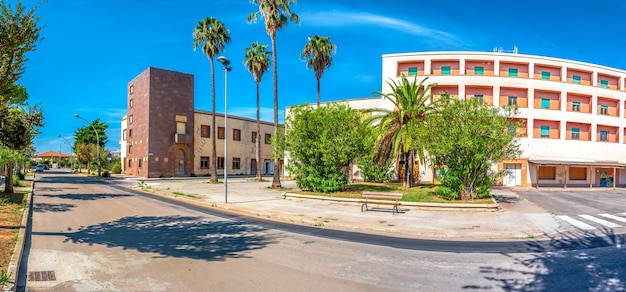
95,237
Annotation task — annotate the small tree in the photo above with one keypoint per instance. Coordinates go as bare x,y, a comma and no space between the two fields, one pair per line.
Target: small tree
466,139
321,143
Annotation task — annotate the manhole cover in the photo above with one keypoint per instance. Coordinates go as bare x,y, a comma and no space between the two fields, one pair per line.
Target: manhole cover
42,276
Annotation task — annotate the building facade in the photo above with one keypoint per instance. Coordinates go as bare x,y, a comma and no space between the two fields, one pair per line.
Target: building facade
573,112
163,135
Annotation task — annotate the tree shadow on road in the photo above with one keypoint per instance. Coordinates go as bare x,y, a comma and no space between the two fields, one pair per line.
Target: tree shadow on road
86,197
46,207
569,262
176,236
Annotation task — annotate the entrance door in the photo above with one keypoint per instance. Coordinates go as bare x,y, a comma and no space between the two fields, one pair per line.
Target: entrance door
253,167
513,175
180,162
269,167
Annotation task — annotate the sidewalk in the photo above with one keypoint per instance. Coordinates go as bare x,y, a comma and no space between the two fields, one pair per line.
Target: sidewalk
516,218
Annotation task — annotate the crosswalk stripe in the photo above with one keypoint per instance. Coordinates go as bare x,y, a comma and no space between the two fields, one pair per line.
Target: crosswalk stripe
616,218
576,223
600,221
623,214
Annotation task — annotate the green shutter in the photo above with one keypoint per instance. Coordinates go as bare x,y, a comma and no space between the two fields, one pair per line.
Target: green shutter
445,70
412,70
604,110
604,83
545,75
575,133
513,72
545,103
576,79
576,106
545,131
479,70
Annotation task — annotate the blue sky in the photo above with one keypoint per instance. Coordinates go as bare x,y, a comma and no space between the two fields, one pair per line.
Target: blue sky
92,49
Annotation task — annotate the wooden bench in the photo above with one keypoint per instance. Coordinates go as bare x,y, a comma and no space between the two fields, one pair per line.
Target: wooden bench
395,197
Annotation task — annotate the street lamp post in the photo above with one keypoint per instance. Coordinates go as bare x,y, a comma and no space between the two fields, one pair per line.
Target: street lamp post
68,144
97,142
227,69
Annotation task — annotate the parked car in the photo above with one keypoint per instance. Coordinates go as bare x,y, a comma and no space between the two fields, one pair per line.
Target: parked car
46,167
39,168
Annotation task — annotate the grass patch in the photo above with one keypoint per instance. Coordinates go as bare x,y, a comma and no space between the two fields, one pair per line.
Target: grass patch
185,195
11,210
421,193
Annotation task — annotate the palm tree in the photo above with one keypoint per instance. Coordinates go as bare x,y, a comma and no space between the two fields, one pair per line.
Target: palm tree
318,55
257,61
400,127
211,35
277,15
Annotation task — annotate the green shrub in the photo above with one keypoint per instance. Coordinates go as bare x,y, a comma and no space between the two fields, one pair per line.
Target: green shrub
116,168
447,193
372,172
106,174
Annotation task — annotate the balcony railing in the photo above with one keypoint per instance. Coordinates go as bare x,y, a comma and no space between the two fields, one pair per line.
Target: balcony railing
182,138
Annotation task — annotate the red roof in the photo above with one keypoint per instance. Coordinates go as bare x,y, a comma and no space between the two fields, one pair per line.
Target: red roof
52,154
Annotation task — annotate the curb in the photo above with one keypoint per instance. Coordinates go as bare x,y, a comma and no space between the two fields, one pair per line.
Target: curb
14,265
422,206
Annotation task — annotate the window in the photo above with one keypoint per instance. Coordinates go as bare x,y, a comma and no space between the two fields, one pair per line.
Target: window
140,162
181,128
268,138
236,135
604,110
604,135
205,131
130,163
577,173
445,97
576,79
445,70
575,133
604,83
545,103
575,106
479,70
547,172
220,163
236,162
545,131
130,133
124,135
130,149
479,97
512,100
130,103
512,130
545,75
513,72
131,89
254,137
220,133
205,161
412,70
130,119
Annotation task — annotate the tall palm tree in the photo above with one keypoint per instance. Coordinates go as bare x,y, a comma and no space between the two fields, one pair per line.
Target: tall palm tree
401,127
277,15
212,36
257,61
318,55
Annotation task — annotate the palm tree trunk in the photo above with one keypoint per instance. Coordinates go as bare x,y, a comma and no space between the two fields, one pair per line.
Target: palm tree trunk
258,132
8,181
213,128
276,179
411,169
318,92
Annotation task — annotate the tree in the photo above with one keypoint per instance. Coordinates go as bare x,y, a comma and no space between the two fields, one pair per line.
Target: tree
322,142
85,154
398,128
87,136
19,34
17,129
467,138
212,36
257,62
277,15
318,55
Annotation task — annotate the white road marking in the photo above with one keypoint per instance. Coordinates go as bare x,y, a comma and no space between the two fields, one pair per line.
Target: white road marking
576,223
616,218
601,221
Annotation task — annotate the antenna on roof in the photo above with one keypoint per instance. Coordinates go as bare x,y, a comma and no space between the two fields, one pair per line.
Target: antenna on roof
501,50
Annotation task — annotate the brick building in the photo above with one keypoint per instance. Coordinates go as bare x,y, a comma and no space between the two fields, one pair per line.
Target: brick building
163,135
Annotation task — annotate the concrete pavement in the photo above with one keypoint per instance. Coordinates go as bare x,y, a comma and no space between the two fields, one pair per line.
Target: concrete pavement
515,217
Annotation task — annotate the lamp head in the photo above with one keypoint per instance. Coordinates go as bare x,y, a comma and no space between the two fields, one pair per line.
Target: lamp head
223,60
76,115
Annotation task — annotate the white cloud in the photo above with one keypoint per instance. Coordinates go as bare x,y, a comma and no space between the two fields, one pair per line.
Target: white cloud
337,18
